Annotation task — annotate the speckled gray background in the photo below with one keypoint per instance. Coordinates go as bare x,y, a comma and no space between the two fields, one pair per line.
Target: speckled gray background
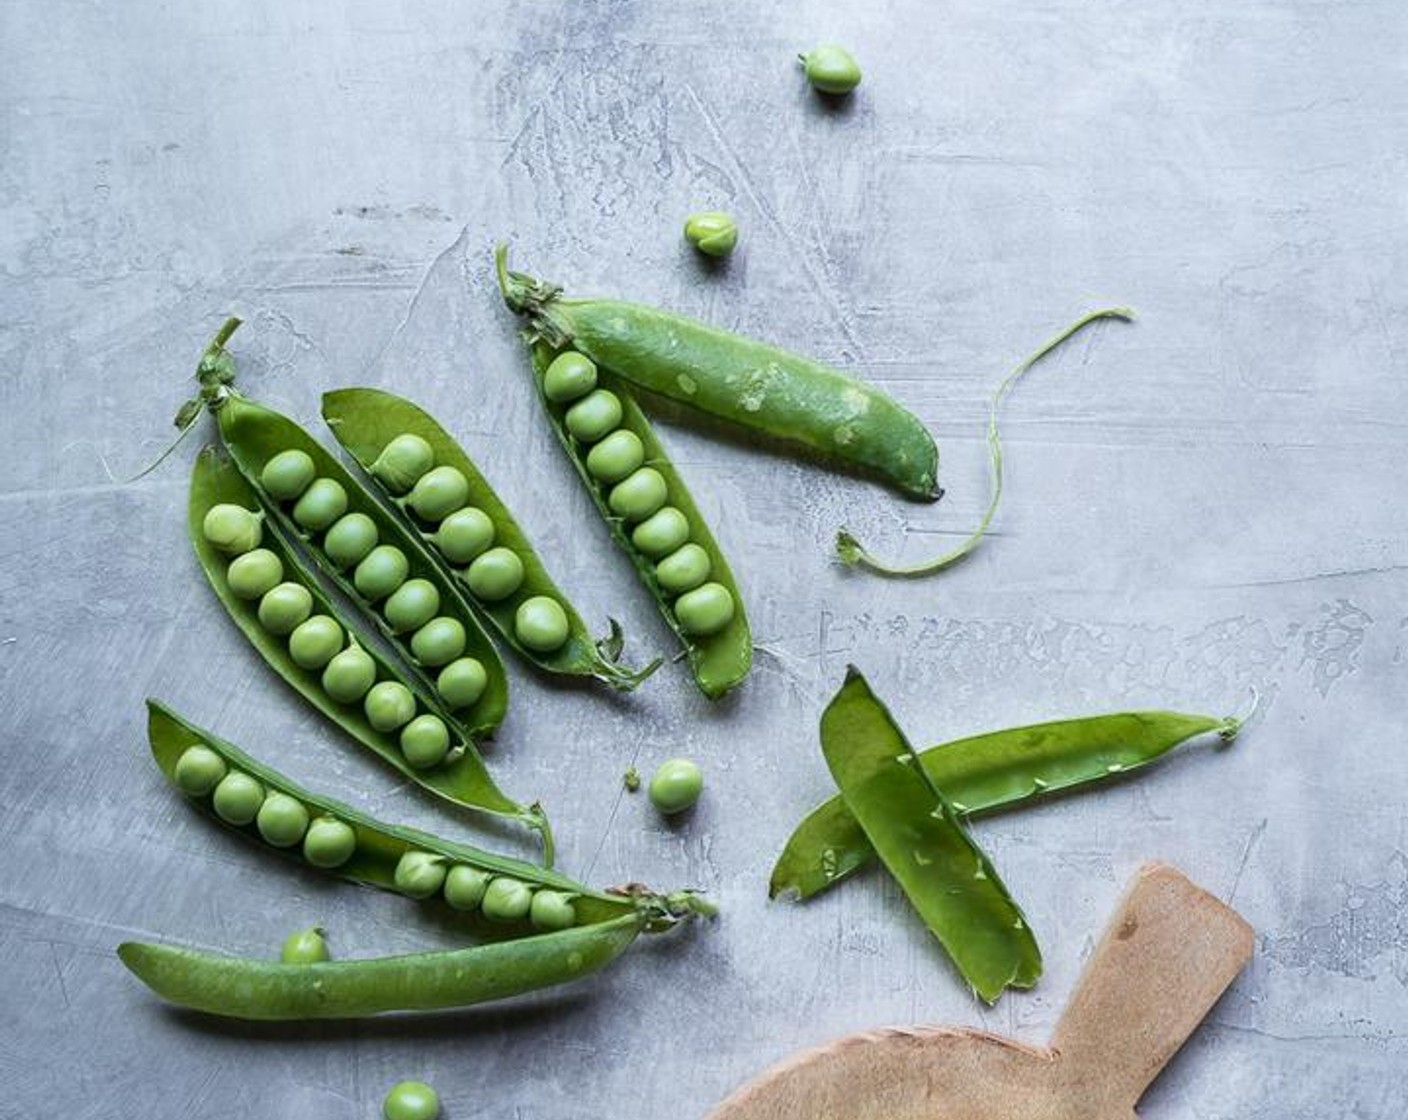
1208,501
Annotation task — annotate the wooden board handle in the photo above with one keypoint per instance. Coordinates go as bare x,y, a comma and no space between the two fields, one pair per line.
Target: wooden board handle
1169,952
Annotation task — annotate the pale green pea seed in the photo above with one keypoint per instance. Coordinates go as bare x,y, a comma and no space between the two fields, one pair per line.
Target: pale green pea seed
402,462
420,874
461,683
232,529
237,798
552,910
199,770
315,642
831,69
438,494
307,946
438,642
639,495
282,820
464,535
411,605
496,575
329,842
350,539
507,900
254,574
321,504
704,611
541,624
465,886
284,608
349,675
684,569
411,1100
616,456
713,233
570,377
287,475
675,785
425,741
382,572
661,533
595,415
389,705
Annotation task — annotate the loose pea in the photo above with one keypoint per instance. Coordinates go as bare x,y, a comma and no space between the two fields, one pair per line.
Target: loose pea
389,705
425,741
713,233
403,461
322,503
552,910
237,798
439,493
464,886
307,946
382,572
570,376
349,675
199,770
462,682
352,536
412,605
661,533
251,575
411,1100
464,535
329,842
282,820
284,607
616,456
831,69
507,900
639,495
684,569
676,785
596,414
541,624
438,642
314,643
288,474
705,610
420,874
496,575
231,528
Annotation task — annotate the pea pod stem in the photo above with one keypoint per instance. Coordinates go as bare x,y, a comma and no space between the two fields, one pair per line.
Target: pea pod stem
855,554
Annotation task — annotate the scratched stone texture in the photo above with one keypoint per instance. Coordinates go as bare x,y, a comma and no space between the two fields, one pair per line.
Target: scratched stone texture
1203,505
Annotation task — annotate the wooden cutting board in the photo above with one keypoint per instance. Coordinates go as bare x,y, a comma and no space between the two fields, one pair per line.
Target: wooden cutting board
1170,951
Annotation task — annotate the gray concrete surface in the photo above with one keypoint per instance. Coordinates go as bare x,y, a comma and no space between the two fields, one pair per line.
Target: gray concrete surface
1204,503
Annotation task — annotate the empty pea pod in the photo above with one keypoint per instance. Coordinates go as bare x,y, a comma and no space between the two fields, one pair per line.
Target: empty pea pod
476,540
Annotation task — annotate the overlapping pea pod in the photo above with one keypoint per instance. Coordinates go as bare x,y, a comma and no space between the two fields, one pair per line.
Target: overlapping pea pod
246,573
402,447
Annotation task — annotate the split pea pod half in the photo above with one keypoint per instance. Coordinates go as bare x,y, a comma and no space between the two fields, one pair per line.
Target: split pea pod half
649,512
418,467
994,772
279,605
739,380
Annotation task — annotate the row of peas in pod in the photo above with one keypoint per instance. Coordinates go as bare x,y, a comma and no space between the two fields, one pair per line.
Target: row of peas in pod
500,898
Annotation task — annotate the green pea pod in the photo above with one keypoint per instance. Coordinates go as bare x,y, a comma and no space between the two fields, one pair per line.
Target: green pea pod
920,838
462,778
365,421
742,381
989,773
244,988
720,660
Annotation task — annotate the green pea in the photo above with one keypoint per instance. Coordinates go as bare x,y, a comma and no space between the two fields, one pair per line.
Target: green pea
231,528
570,377
284,607
349,675
462,682
507,900
541,624
713,233
676,785
425,741
389,705
402,462
420,874
552,910
237,798
287,475
596,414
705,610
496,575
464,535
411,605
199,770
639,495
438,642
831,69
661,533
411,1100
464,886
352,536
616,456
439,493
307,946
684,569
252,575
382,572
316,642
282,820
322,504
329,842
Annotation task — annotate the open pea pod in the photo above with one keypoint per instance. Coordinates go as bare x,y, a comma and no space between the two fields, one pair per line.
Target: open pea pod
366,422
993,772
921,840
720,650
460,776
